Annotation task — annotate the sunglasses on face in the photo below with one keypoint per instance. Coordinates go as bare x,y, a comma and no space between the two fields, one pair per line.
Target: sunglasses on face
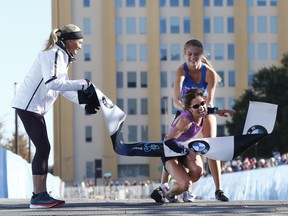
196,106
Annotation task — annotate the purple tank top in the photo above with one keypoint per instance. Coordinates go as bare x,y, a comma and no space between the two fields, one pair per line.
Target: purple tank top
192,131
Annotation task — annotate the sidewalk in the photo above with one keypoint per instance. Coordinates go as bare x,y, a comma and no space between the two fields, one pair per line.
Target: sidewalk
16,207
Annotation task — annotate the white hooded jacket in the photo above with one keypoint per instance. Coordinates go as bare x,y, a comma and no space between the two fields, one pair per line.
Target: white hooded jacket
47,77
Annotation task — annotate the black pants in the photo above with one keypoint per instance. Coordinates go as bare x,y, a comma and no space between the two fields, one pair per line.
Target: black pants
35,127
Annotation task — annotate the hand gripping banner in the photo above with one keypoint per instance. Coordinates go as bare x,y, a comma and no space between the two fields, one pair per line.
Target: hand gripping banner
218,148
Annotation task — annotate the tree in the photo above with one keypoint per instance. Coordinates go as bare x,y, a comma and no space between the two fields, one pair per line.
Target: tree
269,85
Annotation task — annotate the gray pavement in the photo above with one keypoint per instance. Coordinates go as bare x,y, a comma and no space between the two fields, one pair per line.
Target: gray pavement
20,207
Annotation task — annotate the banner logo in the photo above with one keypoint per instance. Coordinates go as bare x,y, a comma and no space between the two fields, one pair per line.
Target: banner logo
257,129
199,146
107,102
150,147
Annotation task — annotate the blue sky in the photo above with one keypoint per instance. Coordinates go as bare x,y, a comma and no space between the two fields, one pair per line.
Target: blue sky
26,26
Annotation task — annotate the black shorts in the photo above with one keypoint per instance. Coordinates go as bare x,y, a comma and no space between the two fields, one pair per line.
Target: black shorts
179,158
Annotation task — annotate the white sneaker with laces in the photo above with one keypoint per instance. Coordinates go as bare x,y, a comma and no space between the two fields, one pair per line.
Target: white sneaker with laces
187,196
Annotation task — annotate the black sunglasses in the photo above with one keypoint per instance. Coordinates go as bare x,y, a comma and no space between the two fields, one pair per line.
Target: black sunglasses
196,106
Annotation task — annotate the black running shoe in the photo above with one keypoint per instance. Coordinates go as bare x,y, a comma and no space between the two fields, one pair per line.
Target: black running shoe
44,200
157,195
219,194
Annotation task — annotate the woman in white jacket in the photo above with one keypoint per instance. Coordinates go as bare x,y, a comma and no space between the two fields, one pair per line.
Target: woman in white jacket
47,78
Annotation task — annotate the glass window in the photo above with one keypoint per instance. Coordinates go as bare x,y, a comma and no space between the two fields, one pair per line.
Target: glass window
87,53
88,133
262,24
231,51
131,52
163,25
219,51
119,79
231,102
250,24
230,24
175,52
262,52
118,26
162,3
249,3
172,77
206,3
250,78
130,3
164,105
132,106
218,25
130,25
186,3
173,108
251,51
230,3
174,3
143,77
86,3
174,25
143,52
261,2
273,2
133,171
132,133
144,133
231,78
119,52
186,25
273,24
163,79
142,25
163,52
87,75
207,50
222,83
142,3
207,25
274,51
118,3
86,26
89,169
131,79
120,103
220,130
218,3
220,102
144,106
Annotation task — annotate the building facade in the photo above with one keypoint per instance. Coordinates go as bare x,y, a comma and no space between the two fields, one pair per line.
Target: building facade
131,51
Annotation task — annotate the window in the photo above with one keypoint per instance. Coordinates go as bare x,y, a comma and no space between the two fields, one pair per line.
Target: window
249,3
230,3
250,24
86,26
220,102
218,25
133,170
130,3
274,51
131,77
118,3
206,3
174,25
262,24
231,102
163,52
220,130
250,78
143,77
142,3
262,52
207,50
219,51
273,24
87,75
164,105
163,25
132,133
119,52
130,26
230,24
120,103
175,52
144,132
132,106
143,52
163,79
173,108
144,106
231,50
162,3
174,3
186,25
186,3
87,53
218,3
118,26
88,134
273,2
222,83
86,3
207,25
251,51
89,169
231,78
261,2
142,25
131,52
119,79
172,77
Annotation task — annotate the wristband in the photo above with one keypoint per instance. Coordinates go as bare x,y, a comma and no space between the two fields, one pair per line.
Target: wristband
212,110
